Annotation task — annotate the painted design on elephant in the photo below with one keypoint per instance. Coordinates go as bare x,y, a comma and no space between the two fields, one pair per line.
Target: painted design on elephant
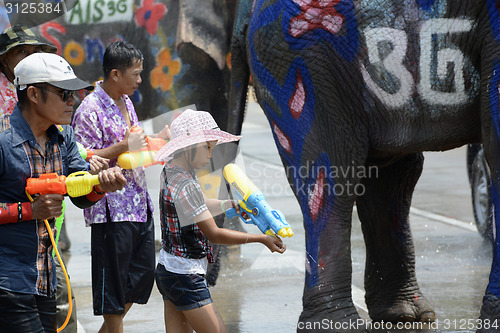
428,35
298,99
295,92
149,14
494,16
316,194
333,21
494,101
162,76
75,53
494,98
386,89
152,26
425,4
316,14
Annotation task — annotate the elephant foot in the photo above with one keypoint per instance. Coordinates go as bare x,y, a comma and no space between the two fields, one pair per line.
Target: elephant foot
490,314
340,317
414,309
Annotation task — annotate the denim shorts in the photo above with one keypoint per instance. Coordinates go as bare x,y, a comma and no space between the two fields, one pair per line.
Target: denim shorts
185,291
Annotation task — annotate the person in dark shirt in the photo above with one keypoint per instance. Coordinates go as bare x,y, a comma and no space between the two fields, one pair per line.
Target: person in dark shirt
31,144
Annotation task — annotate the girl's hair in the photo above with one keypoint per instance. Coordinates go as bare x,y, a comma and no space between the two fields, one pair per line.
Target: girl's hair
120,55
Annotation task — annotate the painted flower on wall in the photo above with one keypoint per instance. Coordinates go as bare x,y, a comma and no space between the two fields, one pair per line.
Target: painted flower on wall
162,76
149,14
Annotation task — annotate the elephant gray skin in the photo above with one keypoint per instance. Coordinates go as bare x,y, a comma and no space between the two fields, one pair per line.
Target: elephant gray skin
353,86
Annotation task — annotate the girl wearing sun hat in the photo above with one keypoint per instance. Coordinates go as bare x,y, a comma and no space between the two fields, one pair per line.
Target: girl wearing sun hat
190,128
187,225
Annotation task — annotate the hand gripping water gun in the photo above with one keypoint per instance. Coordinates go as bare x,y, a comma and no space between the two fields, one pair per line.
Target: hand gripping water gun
143,157
253,206
75,185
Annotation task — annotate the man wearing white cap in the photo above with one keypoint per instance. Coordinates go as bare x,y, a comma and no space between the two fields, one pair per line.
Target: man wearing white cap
32,145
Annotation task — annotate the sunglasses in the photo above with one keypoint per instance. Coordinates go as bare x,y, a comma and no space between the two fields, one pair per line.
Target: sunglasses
65,94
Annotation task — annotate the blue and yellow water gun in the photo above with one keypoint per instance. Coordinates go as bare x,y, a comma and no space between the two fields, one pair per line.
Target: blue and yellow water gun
253,205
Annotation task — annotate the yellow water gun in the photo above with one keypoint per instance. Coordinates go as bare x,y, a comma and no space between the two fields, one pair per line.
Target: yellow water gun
143,157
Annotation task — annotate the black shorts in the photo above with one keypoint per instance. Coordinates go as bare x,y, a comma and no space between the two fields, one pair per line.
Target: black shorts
27,313
123,264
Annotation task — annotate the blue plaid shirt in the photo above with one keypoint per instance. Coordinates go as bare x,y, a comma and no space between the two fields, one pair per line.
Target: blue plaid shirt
25,250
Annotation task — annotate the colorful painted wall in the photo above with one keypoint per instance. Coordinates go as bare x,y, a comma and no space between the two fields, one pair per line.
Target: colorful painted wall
184,63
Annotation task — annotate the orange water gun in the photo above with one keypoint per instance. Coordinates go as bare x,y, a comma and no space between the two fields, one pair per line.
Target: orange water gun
76,184
142,157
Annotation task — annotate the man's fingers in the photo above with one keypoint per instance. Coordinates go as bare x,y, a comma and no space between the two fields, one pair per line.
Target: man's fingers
112,180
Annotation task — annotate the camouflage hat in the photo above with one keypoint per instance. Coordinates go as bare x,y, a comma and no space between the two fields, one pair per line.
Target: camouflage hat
21,35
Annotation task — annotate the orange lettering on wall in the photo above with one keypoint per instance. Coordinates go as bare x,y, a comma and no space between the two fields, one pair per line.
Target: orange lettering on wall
74,53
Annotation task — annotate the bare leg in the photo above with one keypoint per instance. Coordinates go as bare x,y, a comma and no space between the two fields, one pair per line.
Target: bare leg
114,323
206,319
175,321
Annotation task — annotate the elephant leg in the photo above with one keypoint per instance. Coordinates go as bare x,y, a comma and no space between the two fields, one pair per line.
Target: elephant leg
490,310
392,292
327,291
327,203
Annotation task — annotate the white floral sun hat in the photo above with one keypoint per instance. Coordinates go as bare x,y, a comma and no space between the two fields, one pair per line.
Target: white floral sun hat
192,127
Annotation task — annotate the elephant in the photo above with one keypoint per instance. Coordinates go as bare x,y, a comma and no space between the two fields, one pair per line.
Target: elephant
352,86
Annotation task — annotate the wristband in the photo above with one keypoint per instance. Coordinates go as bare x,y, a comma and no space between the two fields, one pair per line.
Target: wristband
19,212
222,206
15,212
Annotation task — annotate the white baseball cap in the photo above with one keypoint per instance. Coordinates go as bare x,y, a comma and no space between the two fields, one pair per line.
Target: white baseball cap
49,68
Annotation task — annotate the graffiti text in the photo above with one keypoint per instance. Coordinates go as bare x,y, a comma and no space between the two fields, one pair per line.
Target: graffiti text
436,64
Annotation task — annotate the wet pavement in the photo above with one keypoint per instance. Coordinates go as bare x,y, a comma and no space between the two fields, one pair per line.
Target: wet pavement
262,292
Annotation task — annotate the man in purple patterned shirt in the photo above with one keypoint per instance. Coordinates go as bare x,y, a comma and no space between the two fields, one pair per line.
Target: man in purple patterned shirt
122,237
